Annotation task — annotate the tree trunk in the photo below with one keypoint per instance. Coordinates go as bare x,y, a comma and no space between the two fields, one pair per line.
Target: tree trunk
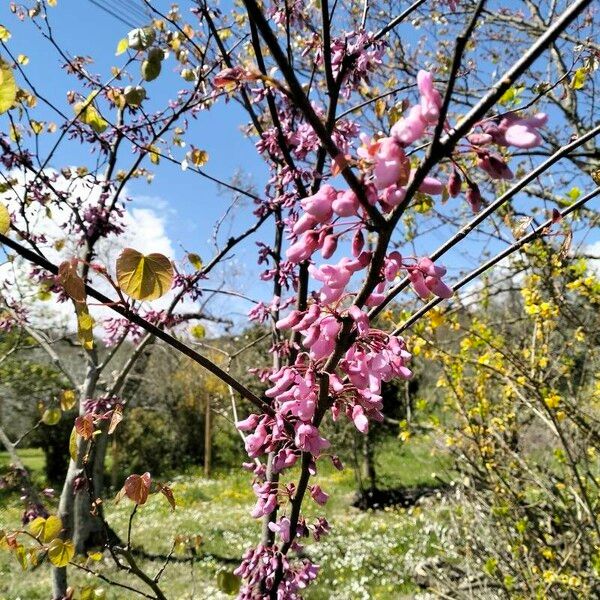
74,508
369,460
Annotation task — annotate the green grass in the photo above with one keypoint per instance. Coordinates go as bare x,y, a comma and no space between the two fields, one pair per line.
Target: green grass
33,458
367,555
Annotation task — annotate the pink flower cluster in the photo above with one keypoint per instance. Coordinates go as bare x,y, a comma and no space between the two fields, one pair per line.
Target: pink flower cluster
259,568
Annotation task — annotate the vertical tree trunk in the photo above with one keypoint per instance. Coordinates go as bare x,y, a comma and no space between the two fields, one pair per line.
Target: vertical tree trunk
74,509
207,439
369,460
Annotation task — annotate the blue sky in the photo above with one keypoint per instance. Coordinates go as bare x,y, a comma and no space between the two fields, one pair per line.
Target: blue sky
189,205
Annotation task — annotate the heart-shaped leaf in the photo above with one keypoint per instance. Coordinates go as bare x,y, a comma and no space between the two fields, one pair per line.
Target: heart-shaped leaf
4,219
144,277
8,87
137,487
61,552
46,529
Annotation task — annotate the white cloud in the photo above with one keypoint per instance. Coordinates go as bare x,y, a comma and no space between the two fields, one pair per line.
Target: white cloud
144,230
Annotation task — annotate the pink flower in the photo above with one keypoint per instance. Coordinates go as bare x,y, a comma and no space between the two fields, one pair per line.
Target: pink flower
391,164
360,420
411,128
307,243
249,423
308,439
474,197
319,205
257,442
454,183
346,204
318,495
431,185
282,527
494,165
431,101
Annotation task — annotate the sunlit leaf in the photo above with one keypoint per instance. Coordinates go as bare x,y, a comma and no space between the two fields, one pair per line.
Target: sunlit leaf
87,113
61,552
46,530
122,46
85,326
137,487
21,555
198,157
154,155
4,219
198,331
22,59
144,277
71,282
51,416
578,79
84,426
195,261
4,34
116,418
8,87
73,445
67,399
167,493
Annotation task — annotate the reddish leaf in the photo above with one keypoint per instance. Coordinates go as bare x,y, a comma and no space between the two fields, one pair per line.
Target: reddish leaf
167,493
84,426
137,487
116,418
71,282
556,216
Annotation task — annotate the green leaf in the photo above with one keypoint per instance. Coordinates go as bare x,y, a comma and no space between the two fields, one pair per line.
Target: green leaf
46,529
51,416
122,46
85,326
8,87
73,444
227,582
198,331
61,552
579,78
4,219
87,113
195,260
150,69
144,277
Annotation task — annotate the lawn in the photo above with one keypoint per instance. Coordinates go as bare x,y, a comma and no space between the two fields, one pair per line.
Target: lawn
369,554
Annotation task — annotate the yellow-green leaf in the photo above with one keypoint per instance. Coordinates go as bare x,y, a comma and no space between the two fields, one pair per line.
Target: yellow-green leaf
154,155
578,80
4,34
61,552
87,113
198,331
195,261
8,87
73,445
122,46
85,326
46,529
4,219
144,277
67,399
51,416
